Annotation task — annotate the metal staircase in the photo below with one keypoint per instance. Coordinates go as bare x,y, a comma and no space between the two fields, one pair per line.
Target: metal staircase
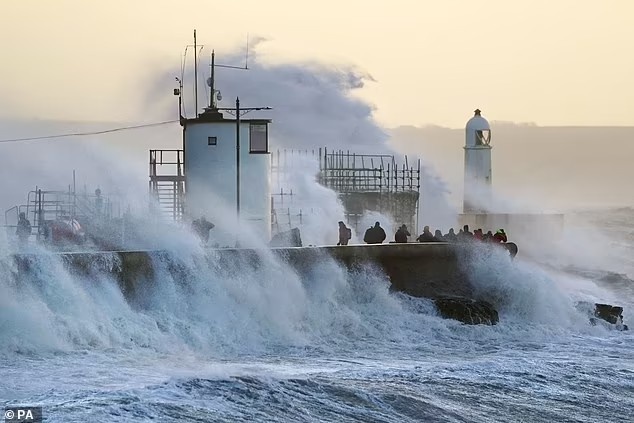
167,183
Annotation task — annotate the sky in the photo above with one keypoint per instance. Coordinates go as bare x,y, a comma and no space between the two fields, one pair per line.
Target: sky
563,62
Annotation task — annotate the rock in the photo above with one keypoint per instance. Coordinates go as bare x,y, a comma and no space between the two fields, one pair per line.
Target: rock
605,312
471,312
611,314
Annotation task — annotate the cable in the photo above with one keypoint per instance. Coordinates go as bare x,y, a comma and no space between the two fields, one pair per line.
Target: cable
81,134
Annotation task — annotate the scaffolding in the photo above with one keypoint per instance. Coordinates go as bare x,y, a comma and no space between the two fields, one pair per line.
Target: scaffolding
44,206
363,182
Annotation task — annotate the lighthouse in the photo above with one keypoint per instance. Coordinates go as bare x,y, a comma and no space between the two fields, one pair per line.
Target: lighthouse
477,165
479,210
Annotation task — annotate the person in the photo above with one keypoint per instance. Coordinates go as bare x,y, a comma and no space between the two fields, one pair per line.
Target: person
345,234
426,236
465,234
98,201
202,227
488,237
401,235
450,236
23,230
477,234
500,236
374,235
438,236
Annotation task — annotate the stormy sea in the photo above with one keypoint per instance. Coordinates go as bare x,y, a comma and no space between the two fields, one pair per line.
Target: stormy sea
267,346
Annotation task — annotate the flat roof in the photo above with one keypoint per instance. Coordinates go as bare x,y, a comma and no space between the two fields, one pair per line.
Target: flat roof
215,116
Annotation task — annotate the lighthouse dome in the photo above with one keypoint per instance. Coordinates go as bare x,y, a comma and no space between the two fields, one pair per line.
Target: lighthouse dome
477,122
477,131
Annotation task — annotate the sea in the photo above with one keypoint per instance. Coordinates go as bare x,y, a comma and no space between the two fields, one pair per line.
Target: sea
265,345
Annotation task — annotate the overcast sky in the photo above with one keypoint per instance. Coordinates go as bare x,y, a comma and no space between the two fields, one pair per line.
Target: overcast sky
553,62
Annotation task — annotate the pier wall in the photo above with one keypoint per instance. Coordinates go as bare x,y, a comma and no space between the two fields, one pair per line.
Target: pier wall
419,269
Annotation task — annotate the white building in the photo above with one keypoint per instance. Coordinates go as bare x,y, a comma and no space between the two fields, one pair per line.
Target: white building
211,165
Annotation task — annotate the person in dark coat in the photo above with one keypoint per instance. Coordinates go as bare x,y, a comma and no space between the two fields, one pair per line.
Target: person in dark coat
450,236
465,234
426,236
401,235
23,230
374,235
344,234
202,227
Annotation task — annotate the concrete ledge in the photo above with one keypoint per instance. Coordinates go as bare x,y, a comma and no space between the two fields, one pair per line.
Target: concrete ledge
419,269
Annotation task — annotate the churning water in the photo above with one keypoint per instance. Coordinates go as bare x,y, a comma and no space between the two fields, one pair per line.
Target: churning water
263,345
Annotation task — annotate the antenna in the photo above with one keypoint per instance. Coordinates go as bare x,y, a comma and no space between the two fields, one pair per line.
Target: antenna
211,81
195,77
246,59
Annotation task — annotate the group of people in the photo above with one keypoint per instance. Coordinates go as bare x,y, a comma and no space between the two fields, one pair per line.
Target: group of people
463,234
376,235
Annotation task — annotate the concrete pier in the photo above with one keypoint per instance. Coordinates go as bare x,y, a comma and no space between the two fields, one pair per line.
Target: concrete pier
419,269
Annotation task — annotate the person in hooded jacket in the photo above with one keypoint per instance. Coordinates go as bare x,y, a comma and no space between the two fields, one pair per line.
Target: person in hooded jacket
344,234
500,236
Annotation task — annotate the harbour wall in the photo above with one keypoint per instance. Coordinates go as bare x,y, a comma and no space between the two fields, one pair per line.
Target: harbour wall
420,269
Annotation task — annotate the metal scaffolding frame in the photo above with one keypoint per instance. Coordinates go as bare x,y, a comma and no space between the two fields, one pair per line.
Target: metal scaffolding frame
363,182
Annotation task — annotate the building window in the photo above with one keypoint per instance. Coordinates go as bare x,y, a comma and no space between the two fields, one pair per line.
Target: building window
258,138
212,140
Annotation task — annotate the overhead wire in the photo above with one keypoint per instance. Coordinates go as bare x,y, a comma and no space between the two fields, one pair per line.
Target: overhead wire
82,134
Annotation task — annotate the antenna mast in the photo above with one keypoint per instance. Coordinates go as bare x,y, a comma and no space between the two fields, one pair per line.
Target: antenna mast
212,91
211,81
195,76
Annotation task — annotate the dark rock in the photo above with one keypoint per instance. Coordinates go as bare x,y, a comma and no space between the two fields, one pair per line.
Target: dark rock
471,312
611,314
605,312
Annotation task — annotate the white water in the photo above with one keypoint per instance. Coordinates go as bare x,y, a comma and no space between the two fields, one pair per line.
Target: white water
264,344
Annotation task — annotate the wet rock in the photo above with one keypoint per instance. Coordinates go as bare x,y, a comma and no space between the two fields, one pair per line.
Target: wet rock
611,314
471,312
602,314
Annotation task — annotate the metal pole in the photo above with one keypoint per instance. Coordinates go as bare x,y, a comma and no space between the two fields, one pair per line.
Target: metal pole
212,90
195,76
74,195
238,157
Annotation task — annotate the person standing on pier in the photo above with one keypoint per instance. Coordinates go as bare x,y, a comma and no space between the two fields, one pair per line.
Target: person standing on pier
374,235
202,227
401,235
23,230
344,234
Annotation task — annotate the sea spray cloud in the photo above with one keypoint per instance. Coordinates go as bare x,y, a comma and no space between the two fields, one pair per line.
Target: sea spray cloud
314,105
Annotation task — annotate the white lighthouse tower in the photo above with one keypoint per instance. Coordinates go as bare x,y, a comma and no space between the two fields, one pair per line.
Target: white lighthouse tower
479,211
477,165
